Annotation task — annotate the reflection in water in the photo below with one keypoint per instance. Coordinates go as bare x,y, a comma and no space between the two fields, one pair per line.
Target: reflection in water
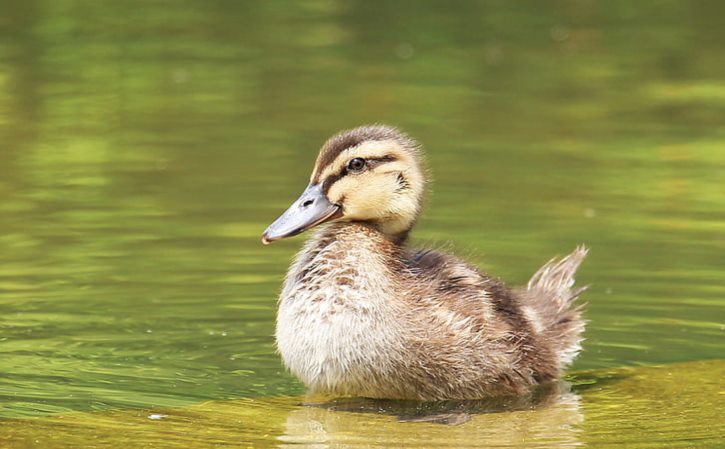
449,411
681,402
550,418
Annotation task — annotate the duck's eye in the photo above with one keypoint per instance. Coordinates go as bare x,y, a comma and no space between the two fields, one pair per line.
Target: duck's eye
356,165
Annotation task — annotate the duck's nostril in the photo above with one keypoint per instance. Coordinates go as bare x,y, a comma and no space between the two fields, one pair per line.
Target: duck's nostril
308,203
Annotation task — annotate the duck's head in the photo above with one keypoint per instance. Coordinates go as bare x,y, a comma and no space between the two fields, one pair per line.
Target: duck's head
370,174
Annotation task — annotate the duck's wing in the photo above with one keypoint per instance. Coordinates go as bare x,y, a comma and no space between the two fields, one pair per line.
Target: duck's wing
460,287
498,320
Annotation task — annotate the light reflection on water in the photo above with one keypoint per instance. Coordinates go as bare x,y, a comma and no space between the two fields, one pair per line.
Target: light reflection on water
672,406
144,148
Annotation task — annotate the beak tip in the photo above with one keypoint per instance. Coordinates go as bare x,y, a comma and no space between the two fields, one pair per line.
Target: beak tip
265,240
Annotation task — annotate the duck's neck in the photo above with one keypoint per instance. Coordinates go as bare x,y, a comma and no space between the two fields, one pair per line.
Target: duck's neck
344,255
396,232
363,236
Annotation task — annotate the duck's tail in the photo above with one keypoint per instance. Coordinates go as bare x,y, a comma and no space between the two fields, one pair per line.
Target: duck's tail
552,297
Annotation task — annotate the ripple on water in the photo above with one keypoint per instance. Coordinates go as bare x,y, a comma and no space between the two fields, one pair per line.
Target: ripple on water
672,406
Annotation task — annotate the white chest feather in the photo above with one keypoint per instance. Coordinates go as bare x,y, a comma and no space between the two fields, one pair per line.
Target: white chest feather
333,326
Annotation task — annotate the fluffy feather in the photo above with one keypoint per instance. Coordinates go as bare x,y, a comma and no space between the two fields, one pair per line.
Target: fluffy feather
361,314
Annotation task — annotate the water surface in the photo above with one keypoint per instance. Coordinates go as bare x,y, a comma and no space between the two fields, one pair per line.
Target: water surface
144,146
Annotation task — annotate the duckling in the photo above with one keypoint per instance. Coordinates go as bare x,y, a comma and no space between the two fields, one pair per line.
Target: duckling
363,314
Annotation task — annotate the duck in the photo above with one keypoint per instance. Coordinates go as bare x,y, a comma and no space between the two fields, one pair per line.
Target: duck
362,313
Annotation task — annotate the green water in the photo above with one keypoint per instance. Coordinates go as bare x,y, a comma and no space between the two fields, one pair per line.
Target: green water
144,146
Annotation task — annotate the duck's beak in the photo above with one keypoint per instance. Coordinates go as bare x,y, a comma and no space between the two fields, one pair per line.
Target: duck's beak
311,209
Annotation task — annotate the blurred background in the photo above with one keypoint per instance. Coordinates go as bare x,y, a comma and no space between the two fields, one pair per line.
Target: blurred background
145,145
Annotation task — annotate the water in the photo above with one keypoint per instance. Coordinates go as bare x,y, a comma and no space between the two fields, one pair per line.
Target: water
146,145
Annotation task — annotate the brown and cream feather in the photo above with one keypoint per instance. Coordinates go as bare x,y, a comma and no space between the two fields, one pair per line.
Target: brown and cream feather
362,314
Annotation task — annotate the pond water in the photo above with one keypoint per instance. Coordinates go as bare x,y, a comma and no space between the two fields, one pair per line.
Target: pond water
144,147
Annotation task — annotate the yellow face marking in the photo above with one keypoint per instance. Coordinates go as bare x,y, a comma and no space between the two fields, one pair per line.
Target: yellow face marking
375,195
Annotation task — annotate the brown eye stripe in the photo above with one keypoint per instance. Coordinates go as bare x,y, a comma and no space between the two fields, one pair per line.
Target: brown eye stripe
375,161
327,183
370,162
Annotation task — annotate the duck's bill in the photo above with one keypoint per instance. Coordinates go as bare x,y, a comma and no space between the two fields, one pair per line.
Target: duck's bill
310,209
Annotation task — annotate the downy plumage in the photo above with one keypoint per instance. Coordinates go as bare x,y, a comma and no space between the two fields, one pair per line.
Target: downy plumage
362,314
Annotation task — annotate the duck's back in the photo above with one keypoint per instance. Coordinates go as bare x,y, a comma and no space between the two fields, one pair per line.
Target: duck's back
541,316
508,339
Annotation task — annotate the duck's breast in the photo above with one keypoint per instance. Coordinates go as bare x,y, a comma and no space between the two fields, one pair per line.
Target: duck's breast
335,326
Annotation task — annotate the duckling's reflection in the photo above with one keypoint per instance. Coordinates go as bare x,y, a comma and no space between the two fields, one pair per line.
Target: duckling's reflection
549,415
